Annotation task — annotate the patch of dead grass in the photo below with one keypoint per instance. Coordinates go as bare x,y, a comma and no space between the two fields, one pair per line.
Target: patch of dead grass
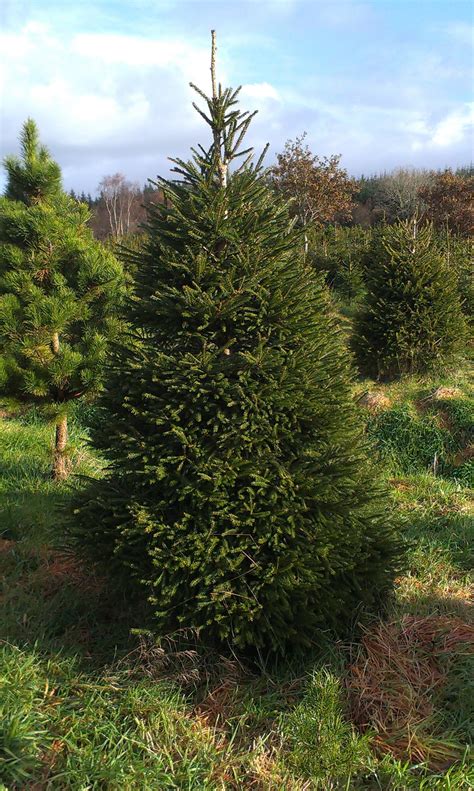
399,667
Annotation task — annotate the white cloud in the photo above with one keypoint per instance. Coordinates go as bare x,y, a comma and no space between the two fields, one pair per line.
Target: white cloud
454,127
260,91
101,98
136,52
109,101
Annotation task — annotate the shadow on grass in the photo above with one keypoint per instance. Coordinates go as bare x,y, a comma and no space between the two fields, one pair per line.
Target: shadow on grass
49,600
30,500
31,517
53,603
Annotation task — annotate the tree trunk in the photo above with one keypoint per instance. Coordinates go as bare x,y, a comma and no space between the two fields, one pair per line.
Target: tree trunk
60,468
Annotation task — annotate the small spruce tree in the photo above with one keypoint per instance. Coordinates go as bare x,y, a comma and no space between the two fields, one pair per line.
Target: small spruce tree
412,320
338,252
239,493
457,252
59,291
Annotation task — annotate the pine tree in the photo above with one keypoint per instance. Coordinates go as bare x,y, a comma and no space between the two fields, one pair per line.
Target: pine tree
412,320
59,290
338,252
456,251
239,493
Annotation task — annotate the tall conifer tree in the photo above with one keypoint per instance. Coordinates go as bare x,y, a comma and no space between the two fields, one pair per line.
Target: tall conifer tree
412,319
239,492
59,290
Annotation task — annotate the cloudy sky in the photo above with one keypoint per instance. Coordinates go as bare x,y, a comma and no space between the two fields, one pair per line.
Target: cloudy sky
385,83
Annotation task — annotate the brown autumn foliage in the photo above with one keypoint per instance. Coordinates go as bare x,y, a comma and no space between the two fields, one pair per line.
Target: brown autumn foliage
320,189
449,202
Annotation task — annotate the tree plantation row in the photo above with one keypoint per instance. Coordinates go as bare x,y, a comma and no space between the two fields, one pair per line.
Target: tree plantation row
240,497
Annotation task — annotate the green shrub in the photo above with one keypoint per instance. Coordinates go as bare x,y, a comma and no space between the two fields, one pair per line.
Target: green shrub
409,443
459,419
60,292
457,252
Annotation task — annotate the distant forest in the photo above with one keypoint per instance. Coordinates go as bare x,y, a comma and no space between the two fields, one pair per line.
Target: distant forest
322,194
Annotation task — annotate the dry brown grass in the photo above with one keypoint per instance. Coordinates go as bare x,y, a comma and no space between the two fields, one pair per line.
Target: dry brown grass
6,545
392,681
374,401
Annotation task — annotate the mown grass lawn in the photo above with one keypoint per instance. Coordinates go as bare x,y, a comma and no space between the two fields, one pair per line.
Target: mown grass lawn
85,703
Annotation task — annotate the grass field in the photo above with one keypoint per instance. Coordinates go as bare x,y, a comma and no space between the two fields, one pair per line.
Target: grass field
85,703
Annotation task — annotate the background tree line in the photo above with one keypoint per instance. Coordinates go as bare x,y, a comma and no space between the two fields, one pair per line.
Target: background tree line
120,207
338,212
322,193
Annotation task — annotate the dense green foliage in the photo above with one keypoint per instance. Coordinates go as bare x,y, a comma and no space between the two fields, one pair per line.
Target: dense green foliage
339,252
55,280
238,492
458,252
59,288
412,320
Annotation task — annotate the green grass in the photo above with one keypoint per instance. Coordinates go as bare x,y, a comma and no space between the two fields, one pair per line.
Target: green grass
29,498
82,706
425,434
81,731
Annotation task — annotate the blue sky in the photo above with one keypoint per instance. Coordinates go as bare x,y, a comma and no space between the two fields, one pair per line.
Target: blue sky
385,83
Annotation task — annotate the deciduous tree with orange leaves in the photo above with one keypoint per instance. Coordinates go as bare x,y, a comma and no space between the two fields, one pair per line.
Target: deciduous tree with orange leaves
321,190
449,202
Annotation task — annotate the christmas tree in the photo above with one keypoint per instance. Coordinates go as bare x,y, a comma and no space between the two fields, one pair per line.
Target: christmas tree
59,291
239,494
412,320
